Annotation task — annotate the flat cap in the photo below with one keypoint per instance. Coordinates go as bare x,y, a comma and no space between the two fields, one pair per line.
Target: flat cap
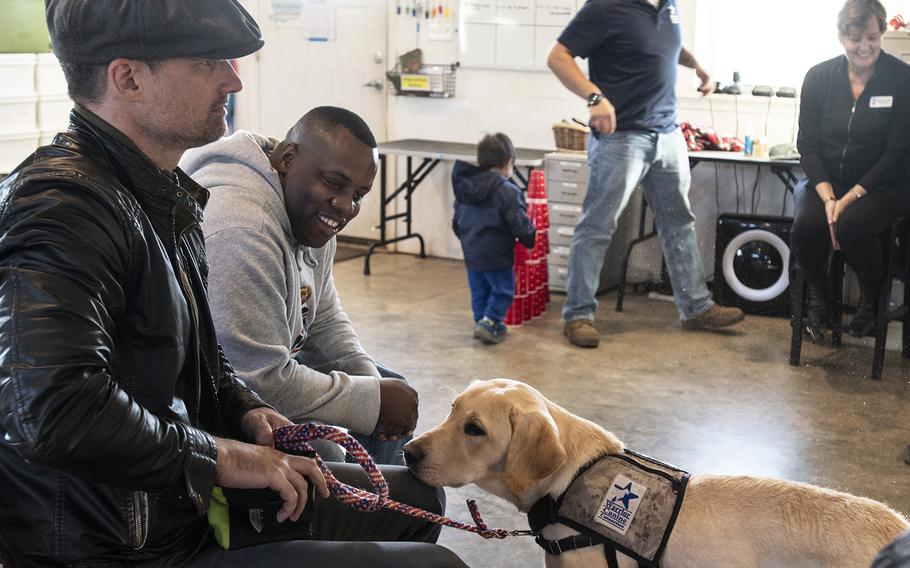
95,32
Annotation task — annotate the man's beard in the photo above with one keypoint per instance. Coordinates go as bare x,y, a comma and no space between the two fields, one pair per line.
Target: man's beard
209,131
213,131
187,136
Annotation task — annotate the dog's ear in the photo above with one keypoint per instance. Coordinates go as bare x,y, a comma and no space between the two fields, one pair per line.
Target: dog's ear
534,450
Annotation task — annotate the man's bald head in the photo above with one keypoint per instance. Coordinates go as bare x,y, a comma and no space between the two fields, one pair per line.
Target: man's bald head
315,124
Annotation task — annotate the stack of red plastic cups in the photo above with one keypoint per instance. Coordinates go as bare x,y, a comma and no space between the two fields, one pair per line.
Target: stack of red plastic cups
515,315
532,294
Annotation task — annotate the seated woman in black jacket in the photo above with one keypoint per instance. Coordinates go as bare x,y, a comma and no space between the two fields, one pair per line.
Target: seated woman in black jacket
854,138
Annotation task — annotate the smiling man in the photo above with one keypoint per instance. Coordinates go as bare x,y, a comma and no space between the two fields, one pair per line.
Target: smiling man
270,226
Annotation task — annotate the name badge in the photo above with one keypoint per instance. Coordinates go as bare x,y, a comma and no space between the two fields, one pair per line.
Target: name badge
881,102
674,15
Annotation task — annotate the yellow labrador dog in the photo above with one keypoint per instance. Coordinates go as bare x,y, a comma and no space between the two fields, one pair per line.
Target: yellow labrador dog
508,439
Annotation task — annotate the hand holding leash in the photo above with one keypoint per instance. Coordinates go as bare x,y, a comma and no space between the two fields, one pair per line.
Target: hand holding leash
247,466
295,438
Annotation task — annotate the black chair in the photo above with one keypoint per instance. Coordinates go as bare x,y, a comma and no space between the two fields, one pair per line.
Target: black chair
897,262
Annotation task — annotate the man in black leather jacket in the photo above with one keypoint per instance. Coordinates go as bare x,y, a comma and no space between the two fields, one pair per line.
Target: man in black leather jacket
118,410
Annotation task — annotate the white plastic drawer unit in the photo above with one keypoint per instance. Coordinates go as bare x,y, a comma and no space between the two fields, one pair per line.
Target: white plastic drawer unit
559,255
558,275
568,169
566,192
17,74
49,78
18,114
14,148
561,235
564,214
54,112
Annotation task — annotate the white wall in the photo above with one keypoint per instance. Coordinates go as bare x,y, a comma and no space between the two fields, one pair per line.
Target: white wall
897,7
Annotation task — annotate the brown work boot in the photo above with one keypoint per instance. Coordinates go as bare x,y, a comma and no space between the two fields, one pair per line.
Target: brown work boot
581,332
715,318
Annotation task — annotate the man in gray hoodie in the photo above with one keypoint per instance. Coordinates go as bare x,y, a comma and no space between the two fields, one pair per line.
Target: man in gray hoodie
274,211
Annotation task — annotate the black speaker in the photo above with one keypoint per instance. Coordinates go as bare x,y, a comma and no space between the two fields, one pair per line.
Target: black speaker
751,260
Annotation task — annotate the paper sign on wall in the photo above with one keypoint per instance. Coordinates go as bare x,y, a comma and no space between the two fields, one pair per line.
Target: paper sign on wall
316,18
415,82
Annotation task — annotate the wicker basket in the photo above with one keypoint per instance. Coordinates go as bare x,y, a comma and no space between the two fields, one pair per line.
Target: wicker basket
570,137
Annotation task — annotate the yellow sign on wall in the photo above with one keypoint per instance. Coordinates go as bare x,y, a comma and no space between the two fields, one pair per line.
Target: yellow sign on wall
411,82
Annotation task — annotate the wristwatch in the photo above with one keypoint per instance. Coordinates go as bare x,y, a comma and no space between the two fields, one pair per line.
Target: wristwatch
594,98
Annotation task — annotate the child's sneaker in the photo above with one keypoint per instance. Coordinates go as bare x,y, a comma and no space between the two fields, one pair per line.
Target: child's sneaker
485,330
501,328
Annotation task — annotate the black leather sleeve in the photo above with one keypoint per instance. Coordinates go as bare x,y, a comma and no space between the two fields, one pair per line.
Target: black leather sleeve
236,398
64,259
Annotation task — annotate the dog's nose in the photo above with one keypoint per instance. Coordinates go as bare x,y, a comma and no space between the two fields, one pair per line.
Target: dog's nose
413,453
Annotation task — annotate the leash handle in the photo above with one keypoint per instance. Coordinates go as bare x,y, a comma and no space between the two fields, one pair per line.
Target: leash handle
295,438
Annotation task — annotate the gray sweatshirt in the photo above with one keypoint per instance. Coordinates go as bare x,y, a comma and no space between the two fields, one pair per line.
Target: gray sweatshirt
303,358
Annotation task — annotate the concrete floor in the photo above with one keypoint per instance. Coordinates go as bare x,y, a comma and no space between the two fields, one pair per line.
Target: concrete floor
706,402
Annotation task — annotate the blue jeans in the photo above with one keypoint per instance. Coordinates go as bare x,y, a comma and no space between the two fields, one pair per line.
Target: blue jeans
619,162
492,292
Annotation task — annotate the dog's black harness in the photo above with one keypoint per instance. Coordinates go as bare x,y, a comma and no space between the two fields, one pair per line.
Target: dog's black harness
627,502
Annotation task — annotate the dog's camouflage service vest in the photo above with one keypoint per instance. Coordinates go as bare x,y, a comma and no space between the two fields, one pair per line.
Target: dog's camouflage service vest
627,502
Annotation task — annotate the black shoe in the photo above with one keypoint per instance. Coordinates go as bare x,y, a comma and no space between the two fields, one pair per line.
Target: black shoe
863,321
815,333
818,312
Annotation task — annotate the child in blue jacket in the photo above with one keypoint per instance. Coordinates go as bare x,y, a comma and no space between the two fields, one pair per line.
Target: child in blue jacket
489,216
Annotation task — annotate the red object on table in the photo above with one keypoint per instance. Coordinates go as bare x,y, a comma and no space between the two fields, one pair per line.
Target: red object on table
700,138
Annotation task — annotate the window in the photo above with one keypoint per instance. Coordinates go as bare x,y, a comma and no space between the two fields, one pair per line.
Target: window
769,42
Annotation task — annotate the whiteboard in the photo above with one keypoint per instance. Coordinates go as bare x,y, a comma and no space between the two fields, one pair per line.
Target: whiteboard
511,34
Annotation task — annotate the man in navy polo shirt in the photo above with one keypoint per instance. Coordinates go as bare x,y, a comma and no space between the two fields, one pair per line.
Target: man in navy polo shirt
633,48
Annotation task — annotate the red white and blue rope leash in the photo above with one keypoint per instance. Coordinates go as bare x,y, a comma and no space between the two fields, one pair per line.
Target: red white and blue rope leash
294,438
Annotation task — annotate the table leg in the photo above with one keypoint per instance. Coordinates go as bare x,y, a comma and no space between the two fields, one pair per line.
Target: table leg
413,179
382,219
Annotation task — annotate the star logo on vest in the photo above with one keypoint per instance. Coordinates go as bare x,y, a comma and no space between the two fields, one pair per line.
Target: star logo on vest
628,496
620,504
